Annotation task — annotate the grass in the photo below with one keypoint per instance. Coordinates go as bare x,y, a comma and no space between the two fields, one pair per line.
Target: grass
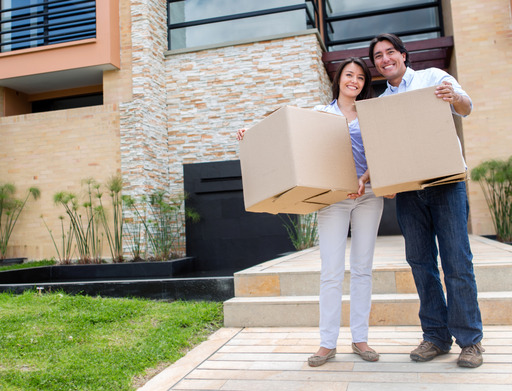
57,341
27,265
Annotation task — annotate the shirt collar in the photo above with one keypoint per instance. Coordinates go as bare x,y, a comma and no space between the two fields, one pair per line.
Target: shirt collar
334,105
406,80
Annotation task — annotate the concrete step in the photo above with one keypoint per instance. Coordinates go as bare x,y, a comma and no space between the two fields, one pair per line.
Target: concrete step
386,280
284,291
387,309
298,274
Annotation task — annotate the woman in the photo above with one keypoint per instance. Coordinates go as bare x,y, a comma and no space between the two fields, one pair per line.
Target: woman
362,211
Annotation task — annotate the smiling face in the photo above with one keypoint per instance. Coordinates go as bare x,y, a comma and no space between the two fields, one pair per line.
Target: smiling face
352,80
389,62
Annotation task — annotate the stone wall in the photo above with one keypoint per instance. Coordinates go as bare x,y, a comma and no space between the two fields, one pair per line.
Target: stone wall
211,93
144,153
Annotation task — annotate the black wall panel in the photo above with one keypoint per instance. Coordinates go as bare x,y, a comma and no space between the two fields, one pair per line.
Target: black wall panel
227,238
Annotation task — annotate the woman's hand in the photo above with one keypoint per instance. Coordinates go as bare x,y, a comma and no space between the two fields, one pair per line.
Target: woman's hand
240,134
363,179
390,196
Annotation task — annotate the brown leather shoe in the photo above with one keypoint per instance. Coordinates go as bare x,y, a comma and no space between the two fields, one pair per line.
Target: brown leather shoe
367,355
316,361
426,351
471,356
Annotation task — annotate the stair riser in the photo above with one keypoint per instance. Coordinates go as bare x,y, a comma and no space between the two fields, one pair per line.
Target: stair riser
489,279
383,313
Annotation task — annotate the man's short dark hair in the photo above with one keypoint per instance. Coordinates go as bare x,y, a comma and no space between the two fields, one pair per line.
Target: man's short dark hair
395,41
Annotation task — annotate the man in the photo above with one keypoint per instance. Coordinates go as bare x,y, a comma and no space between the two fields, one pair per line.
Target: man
438,211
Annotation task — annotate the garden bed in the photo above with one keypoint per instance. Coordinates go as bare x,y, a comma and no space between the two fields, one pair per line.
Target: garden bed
170,280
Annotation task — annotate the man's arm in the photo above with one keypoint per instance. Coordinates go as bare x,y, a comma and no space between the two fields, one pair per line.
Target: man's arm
461,103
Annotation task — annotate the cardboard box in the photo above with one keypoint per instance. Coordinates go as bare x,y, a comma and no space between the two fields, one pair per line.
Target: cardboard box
297,161
410,142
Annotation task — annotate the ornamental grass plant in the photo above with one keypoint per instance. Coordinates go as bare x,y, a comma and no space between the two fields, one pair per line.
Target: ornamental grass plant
10,210
495,178
55,341
302,230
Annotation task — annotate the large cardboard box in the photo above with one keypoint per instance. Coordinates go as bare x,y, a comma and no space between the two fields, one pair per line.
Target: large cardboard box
410,142
297,161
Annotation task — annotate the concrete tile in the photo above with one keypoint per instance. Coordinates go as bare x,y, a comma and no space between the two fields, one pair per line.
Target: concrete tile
284,385
195,384
404,282
257,285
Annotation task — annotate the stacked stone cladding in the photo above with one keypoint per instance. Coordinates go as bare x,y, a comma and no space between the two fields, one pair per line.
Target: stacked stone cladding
144,156
212,93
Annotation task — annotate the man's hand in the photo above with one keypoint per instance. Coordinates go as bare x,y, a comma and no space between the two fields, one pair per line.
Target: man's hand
460,103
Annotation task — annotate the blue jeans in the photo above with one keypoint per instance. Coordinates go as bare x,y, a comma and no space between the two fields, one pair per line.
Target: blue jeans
441,211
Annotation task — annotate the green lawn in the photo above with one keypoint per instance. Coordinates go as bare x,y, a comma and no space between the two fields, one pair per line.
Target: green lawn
27,265
57,341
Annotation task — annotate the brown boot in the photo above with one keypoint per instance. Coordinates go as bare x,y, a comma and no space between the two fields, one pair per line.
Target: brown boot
426,351
471,356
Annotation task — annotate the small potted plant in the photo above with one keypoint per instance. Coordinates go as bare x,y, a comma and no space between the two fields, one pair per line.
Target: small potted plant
10,210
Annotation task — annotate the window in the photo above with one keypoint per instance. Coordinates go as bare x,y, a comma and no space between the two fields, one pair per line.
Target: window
206,22
69,102
347,24
352,24
31,23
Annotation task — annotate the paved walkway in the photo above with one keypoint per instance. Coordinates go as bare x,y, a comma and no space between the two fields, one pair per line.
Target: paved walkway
263,359
254,359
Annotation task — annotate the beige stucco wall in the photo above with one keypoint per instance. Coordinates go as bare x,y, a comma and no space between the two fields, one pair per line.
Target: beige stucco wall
482,33
54,152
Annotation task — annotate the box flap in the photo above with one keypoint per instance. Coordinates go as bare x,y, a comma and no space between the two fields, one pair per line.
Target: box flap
329,197
446,180
291,201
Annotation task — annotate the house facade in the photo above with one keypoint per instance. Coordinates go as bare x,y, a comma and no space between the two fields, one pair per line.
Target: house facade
142,87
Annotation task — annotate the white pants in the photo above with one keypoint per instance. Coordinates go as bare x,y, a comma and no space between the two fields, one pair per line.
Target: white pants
363,214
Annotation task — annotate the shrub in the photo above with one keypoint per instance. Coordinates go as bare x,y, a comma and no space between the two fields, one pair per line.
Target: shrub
302,230
10,210
495,178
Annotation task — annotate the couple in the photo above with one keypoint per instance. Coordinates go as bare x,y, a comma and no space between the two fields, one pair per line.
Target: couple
440,211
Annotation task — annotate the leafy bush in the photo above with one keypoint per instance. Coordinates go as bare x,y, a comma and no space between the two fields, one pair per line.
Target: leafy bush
495,178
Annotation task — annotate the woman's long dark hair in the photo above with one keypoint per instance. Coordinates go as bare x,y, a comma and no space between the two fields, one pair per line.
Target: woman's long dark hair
366,92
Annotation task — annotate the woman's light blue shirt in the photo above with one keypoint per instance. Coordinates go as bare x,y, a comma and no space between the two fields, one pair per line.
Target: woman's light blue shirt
355,136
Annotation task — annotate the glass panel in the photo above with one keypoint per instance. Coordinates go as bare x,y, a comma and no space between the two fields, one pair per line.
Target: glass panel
189,10
30,23
69,21
341,7
374,25
354,29
247,28
21,29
